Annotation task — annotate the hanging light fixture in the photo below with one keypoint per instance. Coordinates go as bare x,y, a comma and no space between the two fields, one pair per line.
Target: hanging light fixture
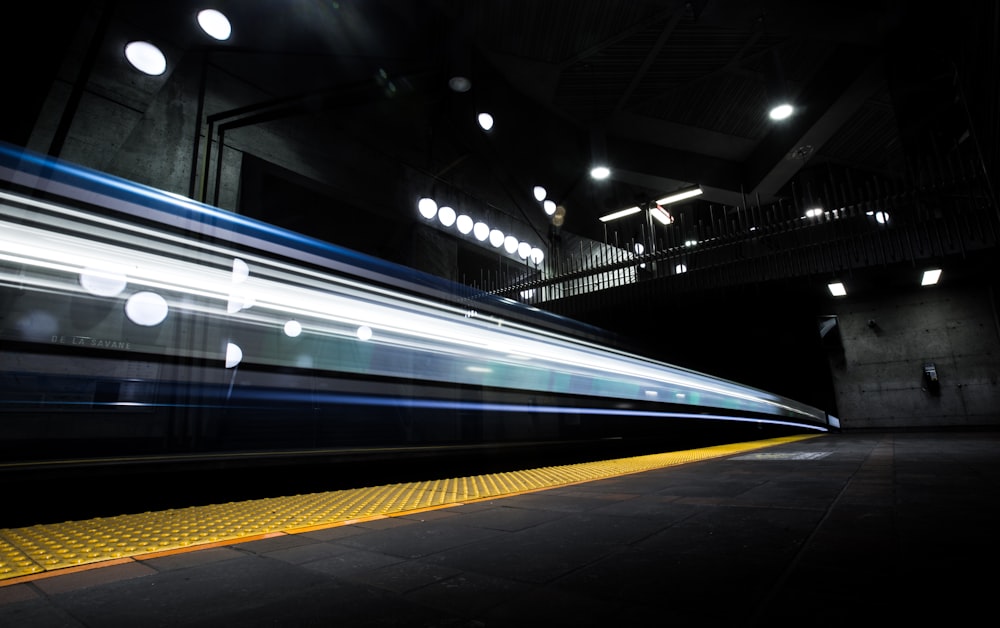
680,195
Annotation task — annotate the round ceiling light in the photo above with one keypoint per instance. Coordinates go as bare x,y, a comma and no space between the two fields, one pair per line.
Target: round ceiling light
146,58
215,24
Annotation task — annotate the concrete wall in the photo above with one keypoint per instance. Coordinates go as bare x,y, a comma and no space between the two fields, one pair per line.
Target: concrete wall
878,377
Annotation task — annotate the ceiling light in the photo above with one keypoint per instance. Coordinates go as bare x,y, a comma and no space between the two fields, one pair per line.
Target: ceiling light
662,216
486,121
837,289
537,255
815,212
550,207
880,216
620,214
447,216
523,250
496,237
481,231
459,84
600,172
510,244
146,308
680,269
146,58
215,24
539,193
930,277
464,224
781,111
104,282
234,355
427,208
680,196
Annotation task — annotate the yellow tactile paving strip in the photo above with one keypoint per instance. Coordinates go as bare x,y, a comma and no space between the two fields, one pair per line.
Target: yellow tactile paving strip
43,549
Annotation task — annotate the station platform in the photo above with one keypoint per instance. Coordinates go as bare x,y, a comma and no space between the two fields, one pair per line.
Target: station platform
817,531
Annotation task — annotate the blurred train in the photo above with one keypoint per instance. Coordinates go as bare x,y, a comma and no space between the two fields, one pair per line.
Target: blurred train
140,325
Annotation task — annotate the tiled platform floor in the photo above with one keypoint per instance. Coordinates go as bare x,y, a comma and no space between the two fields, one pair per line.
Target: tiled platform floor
860,529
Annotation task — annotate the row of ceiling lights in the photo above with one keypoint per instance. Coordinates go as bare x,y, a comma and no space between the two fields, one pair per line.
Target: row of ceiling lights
930,277
149,59
481,231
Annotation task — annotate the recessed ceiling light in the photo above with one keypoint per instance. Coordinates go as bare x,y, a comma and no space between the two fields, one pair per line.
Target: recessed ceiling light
781,112
600,172
146,58
215,24
459,84
930,277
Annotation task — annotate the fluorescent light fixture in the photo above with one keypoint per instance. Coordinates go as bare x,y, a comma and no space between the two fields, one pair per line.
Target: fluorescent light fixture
620,214
679,196
837,289
600,172
930,277
661,216
146,58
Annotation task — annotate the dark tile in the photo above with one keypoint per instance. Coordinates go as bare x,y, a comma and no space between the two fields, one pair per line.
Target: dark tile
555,502
180,597
419,540
37,613
405,576
17,593
506,518
552,608
93,578
301,554
468,594
547,551
351,563
194,558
